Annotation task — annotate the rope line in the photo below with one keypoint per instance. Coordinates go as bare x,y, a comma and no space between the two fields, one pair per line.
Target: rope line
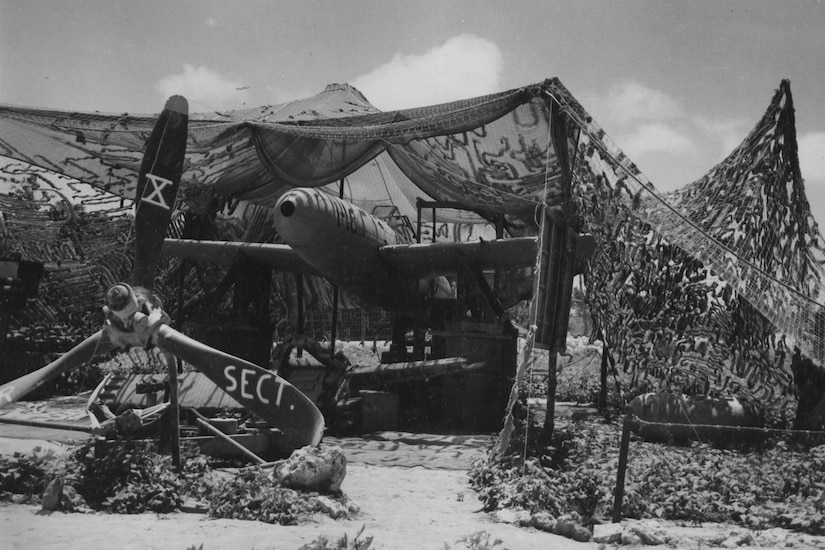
635,419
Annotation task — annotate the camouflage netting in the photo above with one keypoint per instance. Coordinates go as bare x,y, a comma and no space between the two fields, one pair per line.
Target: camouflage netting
708,288
84,238
85,244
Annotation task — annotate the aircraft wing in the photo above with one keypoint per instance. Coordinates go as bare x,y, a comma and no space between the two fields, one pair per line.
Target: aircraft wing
444,258
428,259
279,256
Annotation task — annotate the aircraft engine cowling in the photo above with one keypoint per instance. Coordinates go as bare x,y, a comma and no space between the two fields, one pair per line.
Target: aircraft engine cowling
687,413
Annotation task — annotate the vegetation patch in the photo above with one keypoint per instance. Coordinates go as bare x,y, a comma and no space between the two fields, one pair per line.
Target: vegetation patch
23,478
252,494
130,479
358,542
775,485
125,479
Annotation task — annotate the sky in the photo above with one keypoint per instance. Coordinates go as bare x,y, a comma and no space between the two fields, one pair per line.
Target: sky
676,84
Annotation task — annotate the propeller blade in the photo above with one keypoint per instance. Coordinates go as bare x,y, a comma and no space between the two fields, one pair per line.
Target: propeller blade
260,391
157,187
95,344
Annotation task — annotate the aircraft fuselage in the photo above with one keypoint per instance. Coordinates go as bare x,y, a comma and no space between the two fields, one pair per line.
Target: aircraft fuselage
342,241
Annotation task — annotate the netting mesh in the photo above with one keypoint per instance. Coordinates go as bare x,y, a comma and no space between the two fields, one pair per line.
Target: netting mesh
489,153
713,284
83,237
749,221
696,284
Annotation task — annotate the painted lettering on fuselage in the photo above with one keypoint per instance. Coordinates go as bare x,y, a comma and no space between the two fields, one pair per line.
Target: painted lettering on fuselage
250,384
348,219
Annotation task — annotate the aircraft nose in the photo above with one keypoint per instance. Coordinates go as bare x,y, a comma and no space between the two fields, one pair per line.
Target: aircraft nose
287,208
290,202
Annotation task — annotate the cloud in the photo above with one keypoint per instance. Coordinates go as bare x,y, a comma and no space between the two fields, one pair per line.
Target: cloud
630,102
655,138
727,134
205,89
812,164
671,144
812,157
464,66
644,122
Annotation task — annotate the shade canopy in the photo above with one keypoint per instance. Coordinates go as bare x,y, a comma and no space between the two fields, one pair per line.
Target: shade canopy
492,155
497,157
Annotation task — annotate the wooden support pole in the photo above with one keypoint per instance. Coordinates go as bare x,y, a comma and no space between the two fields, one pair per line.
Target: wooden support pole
175,365
44,424
418,222
181,283
5,322
547,301
299,281
299,291
550,414
624,448
174,410
603,379
333,333
499,235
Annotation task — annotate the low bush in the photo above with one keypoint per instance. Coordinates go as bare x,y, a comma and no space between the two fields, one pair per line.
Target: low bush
27,475
776,485
343,543
251,494
128,478
125,479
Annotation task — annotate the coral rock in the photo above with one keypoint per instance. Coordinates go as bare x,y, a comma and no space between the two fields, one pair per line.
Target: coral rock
513,516
569,525
649,537
631,538
737,539
320,469
331,508
544,521
607,533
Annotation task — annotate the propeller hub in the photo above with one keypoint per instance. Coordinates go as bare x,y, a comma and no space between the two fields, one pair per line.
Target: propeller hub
122,301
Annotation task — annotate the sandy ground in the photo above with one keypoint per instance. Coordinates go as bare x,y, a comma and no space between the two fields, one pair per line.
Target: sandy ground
413,493
412,489
401,508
